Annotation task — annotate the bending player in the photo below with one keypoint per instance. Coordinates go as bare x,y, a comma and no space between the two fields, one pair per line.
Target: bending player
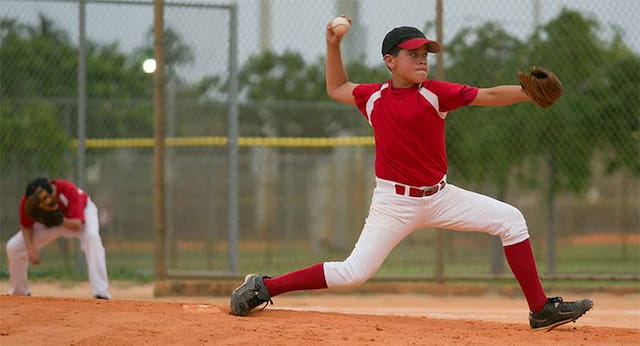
407,114
49,210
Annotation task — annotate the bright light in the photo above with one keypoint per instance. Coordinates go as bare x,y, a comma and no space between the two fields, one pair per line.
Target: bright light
149,66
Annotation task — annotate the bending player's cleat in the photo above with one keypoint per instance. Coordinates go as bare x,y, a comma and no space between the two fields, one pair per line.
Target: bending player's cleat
557,312
250,294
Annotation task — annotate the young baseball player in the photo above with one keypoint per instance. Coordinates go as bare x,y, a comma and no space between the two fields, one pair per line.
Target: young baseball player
407,114
52,209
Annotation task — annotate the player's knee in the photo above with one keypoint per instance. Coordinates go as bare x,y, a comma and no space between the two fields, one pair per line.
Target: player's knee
348,273
359,274
514,215
359,278
15,249
353,280
514,226
514,236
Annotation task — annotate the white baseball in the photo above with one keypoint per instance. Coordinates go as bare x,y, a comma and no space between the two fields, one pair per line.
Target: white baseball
340,25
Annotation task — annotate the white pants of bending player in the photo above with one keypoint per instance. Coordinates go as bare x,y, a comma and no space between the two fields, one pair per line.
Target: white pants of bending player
393,217
90,242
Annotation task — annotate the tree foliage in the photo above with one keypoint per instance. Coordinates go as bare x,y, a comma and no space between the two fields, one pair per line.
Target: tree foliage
38,95
283,95
286,96
39,58
598,111
582,122
485,143
43,144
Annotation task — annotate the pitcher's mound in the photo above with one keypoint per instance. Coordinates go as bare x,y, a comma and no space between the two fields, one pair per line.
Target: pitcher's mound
73,321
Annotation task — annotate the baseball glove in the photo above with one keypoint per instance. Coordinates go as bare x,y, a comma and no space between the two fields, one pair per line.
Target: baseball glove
43,207
541,85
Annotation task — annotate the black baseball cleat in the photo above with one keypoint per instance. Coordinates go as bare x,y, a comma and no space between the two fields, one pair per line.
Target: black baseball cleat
557,312
250,294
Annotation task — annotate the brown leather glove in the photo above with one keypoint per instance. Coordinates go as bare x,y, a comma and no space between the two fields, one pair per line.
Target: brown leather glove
541,85
43,208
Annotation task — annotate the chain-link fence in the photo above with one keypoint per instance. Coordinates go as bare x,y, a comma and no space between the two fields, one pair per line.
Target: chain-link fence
306,162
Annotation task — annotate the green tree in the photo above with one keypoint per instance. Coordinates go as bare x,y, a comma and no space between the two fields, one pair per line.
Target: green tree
43,144
598,111
566,135
486,143
493,142
177,52
119,94
283,95
40,61
571,133
35,68
618,118
36,60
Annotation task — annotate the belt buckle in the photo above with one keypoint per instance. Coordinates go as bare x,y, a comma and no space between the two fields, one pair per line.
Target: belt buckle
432,190
441,185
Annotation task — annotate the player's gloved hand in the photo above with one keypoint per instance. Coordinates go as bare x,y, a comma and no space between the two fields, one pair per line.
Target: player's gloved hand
541,85
43,207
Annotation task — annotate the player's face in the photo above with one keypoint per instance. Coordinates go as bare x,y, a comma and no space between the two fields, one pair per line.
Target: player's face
409,66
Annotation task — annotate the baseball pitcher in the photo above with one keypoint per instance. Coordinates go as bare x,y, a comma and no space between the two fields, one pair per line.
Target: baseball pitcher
407,114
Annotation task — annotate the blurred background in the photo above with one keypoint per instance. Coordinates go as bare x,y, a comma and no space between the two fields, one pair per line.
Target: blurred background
76,103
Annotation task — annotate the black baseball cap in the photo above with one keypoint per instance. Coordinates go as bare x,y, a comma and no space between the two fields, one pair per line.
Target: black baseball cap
408,37
33,185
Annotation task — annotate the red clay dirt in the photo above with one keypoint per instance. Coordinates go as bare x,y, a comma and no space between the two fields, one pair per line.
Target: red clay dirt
78,321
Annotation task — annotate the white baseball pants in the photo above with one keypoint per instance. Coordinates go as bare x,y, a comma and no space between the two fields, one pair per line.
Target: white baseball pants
392,217
90,242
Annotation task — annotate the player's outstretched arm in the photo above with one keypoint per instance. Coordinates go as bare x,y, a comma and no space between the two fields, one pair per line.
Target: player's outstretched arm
539,85
503,95
338,86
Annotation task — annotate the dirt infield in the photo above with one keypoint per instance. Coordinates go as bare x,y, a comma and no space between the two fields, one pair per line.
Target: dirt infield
135,317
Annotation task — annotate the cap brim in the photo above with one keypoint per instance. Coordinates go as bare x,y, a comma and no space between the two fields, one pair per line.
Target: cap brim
415,43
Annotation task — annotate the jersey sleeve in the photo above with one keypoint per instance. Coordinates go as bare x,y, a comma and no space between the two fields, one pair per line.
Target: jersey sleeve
362,93
451,95
25,220
75,200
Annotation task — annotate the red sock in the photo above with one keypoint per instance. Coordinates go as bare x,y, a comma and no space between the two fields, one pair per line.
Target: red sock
309,278
523,266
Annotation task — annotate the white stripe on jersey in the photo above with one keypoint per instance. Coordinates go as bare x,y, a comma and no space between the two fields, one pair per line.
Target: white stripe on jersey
372,99
64,200
433,100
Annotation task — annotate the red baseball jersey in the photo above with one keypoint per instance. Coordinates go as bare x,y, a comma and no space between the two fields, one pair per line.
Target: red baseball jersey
71,201
409,127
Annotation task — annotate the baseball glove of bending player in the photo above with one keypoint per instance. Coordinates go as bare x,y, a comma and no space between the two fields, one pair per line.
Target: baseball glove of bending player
43,208
541,85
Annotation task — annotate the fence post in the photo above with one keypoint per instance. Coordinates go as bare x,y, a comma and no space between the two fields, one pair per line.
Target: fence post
440,243
159,140
233,141
551,216
82,112
82,93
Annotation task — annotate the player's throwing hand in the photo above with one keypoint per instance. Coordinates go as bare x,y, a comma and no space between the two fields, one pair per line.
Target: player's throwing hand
337,29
